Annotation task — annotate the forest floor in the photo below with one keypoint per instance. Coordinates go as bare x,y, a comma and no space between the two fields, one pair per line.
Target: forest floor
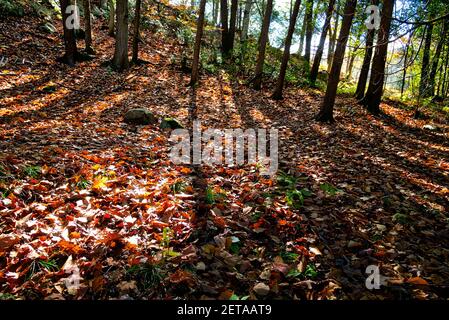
81,189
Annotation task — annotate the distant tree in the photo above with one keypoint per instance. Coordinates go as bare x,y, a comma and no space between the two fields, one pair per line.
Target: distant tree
320,49
197,48
326,113
71,51
424,90
120,60
436,58
374,92
277,94
363,76
136,35
215,10
88,26
246,16
333,38
309,29
263,39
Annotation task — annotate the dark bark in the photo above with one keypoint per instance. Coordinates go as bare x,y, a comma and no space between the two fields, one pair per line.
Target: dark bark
88,26
263,39
326,113
136,35
71,51
277,94
232,25
120,61
374,93
225,45
111,24
309,29
197,48
319,52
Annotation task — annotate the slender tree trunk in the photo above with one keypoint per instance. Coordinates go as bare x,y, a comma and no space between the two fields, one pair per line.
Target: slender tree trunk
319,52
309,29
277,94
404,72
263,45
239,15
326,113
225,47
71,51
120,61
196,51
333,39
246,16
436,59
136,35
424,82
445,84
363,76
215,12
350,64
302,35
375,88
232,24
111,18
88,27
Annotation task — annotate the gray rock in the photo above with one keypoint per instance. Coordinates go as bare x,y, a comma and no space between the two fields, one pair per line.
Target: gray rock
261,289
140,116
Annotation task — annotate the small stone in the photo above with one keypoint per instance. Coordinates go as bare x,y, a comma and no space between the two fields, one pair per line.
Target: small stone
354,244
171,123
261,289
200,266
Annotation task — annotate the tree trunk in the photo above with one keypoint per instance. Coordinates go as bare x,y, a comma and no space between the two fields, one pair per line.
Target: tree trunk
319,52
263,45
120,61
309,29
225,47
196,51
232,24
136,35
215,12
326,113
88,27
302,35
246,16
375,88
424,82
111,18
350,64
363,76
333,39
445,84
71,52
277,94
436,59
